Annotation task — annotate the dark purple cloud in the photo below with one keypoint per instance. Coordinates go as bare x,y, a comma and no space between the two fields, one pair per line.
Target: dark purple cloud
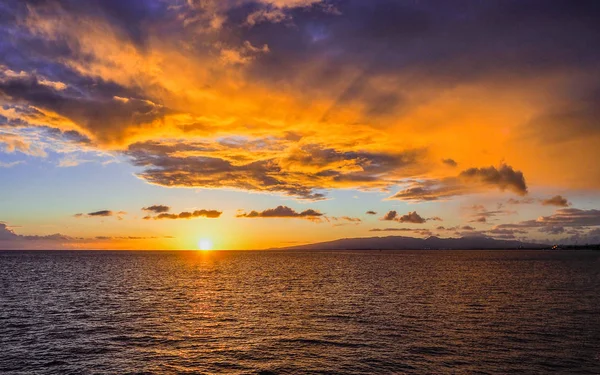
472,180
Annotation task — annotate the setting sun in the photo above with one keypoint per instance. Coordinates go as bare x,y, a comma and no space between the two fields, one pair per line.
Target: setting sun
205,245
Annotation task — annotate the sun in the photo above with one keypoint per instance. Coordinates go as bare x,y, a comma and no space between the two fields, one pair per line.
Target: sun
205,244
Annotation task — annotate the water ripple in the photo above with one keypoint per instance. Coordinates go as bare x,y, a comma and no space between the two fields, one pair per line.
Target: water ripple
351,312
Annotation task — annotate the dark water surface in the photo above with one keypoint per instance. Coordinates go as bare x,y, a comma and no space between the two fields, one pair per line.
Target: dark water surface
344,312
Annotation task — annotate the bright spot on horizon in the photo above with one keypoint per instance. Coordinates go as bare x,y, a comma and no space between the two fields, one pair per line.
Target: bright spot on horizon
205,244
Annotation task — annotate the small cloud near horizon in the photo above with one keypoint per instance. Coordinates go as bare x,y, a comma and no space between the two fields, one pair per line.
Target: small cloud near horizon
102,213
411,217
450,162
209,214
282,212
557,200
157,208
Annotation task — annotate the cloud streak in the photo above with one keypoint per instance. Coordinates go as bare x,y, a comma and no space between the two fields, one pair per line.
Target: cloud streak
9,240
209,214
564,217
103,213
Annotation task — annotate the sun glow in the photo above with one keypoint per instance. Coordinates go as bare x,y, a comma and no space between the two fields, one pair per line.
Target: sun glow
205,244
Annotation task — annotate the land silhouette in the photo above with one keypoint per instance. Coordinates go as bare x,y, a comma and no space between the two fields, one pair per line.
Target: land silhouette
412,243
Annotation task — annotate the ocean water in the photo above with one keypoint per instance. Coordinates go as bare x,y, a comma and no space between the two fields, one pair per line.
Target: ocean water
335,312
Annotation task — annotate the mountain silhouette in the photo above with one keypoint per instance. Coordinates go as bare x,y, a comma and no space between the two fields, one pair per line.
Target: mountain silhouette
411,243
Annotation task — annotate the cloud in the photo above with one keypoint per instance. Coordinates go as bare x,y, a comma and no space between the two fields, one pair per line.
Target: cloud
7,234
69,146
71,161
282,212
10,240
505,232
14,142
212,16
11,164
266,15
131,238
106,117
411,217
390,216
564,217
103,213
469,231
470,181
521,201
421,232
556,200
481,214
365,84
450,162
210,214
581,237
340,221
503,177
351,219
241,55
157,208
270,165
572,217
371,212
552,230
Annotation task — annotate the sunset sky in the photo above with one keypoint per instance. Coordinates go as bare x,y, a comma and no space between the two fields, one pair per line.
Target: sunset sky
250,124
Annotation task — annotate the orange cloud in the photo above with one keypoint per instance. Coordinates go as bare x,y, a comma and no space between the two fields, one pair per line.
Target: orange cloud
198,98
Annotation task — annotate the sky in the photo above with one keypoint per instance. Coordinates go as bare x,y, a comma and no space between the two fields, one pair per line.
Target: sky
250,124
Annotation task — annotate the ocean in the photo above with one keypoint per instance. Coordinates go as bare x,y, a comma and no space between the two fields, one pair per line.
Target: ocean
300,312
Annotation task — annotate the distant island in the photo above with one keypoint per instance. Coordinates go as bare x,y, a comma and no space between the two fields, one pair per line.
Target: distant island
412,243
